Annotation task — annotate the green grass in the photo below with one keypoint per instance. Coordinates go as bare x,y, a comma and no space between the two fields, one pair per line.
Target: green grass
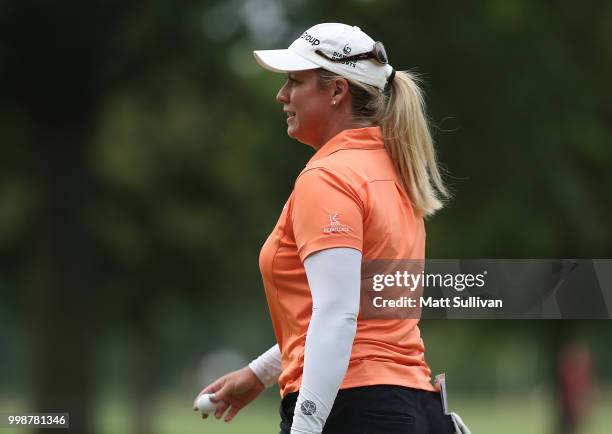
526,414
531,413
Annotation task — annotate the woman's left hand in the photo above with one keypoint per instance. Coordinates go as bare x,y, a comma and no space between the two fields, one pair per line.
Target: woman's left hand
234,391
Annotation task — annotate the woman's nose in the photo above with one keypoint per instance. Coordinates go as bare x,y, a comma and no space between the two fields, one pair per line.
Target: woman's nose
281,96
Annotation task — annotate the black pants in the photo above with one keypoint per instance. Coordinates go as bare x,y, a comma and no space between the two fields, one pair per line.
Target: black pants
379,410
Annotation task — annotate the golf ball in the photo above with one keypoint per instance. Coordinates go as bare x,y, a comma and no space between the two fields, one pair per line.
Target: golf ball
205,405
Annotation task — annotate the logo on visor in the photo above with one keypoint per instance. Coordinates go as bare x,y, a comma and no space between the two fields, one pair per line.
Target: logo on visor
335,226
311,39
347,49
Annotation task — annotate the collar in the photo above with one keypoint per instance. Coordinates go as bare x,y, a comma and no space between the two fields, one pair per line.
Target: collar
355,138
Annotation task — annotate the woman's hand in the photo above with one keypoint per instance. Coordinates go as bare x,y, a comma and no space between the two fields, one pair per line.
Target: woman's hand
233,391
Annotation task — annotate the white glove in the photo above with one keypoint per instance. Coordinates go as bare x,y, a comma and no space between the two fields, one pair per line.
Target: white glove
460,427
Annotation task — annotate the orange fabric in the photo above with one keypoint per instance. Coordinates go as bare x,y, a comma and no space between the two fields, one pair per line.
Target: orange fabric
348,195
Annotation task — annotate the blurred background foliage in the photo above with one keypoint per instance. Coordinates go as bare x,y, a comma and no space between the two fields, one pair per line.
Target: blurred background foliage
145,160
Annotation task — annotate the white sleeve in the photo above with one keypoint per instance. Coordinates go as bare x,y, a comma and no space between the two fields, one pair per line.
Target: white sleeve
267,367
334,278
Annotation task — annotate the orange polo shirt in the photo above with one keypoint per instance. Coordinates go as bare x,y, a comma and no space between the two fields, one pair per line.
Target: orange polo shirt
348,195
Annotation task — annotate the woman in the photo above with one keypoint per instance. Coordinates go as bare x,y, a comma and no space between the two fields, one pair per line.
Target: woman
361,197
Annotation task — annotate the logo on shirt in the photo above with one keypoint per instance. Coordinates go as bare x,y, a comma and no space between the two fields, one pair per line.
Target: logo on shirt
308,407
335,226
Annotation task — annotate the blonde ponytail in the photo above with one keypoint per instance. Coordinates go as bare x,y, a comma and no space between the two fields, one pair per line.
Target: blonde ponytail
405,132
409,143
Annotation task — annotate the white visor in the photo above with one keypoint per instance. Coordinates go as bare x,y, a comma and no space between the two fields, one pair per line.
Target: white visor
326,46
282,61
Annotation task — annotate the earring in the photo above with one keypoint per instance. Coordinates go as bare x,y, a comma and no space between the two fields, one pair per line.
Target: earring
333,102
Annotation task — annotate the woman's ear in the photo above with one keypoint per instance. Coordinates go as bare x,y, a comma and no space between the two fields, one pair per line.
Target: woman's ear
340,89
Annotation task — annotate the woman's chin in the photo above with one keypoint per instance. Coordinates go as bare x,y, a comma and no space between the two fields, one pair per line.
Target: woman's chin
291,132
